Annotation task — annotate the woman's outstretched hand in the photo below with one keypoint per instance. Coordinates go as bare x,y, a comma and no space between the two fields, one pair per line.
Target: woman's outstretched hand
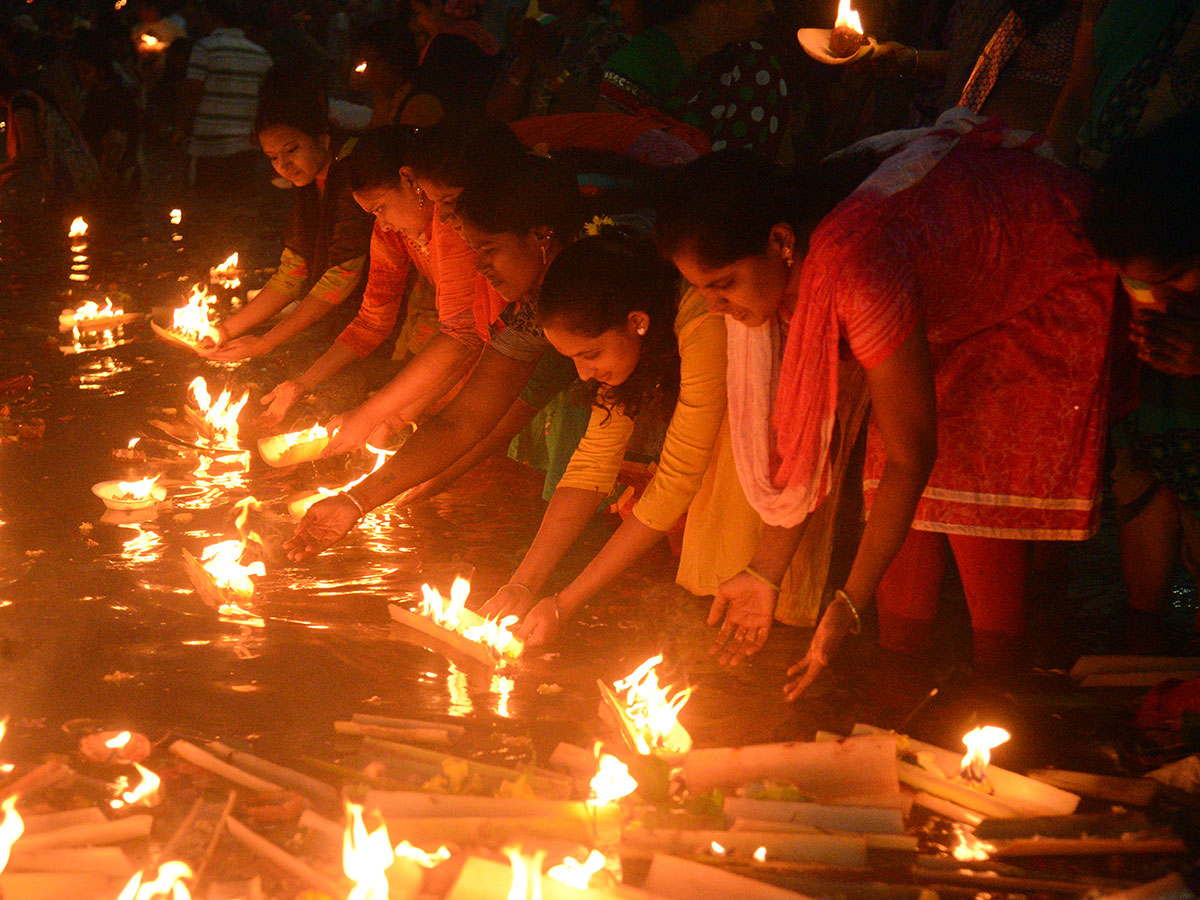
837,622
511,600
278,402
245,347
542,623
349,432
325,523
747,605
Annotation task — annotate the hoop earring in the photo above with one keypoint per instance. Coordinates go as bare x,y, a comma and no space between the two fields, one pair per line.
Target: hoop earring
641,330
545,262
787,257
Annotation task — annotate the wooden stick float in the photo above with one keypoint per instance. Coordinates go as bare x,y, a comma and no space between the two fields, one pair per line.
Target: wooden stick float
107,861
829,817
825,770
210,763
301,870
275,773
444,637
1089,847
435,736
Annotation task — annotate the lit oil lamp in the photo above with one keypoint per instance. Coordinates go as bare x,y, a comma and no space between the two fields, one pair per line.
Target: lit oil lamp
648,713
78,229
176,216
79,262
227,274
844,43
125,495
450,622
847,37
145,793
281,450
191,324
220,576
360,68
91,316
379,870
215,420
115,747
980,742
150,42
298,506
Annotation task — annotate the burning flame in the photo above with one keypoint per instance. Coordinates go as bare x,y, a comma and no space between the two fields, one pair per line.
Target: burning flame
145,793
576,874
717,849
78,228
611,782
527,874
133,442
193,320
10,829
119,5
223,561
166,884
491,632
654,714
149,40
91,310
118,741
366,857
227,272
221,416
760,855
5,767
137,490
361,67
846,16
980,742
970,849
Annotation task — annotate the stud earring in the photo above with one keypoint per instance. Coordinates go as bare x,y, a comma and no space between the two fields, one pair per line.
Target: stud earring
641,329
545,262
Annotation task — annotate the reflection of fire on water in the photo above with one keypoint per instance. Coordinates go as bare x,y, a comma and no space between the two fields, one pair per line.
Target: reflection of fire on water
146,792
526,874
11,828
454,616
611,782
576,874
299,507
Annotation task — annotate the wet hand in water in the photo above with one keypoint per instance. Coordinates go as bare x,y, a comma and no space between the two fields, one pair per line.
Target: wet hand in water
1170,342
835,624
541,625
278,402
349,432
510,600
246,347
747,606
325,523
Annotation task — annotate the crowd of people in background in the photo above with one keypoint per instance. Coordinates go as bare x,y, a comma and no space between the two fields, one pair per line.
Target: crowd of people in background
824,328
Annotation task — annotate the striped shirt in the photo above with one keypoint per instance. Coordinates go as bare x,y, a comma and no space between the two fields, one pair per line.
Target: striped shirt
231,68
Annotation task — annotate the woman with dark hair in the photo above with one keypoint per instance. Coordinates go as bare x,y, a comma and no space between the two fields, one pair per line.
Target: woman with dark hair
612,306
459,58
957,278
385,57
516,220
328,235
406,234
1147,223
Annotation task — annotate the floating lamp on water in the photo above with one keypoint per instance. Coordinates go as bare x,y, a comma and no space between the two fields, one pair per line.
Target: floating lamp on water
281,450
91,316
449,621
648,714
227,274
220,576
191,324
115,747
360,68
216,420
125,495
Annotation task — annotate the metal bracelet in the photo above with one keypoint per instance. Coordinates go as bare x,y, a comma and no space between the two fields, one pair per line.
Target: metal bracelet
763,578
357,505
842,595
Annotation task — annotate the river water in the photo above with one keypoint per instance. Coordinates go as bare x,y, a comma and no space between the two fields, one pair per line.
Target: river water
100,627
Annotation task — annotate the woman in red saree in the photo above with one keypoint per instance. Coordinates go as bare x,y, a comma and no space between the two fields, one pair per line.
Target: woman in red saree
957,276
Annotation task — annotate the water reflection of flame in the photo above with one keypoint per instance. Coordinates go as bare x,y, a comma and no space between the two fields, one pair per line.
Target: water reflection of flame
146,546
502,686
460,696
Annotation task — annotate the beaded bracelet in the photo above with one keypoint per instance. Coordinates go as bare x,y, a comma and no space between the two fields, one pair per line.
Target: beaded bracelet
842,595
763,578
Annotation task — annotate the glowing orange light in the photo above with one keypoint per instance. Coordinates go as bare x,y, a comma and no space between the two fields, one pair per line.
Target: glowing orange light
78,227
167,884
980,742
527,874
193,320
612,781
576,874
847,17
118,741
10,829
652,710
221,415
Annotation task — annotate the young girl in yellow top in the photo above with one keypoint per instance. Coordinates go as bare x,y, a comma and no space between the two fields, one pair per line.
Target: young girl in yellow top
611,305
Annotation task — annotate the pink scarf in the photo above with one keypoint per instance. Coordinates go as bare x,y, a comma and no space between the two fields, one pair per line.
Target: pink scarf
782,398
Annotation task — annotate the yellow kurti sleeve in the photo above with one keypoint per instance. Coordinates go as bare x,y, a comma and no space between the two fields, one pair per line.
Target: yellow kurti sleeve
597,460
291,275
696,422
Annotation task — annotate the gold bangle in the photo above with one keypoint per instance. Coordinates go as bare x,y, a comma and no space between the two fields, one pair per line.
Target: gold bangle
349,495
763,578
842,595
